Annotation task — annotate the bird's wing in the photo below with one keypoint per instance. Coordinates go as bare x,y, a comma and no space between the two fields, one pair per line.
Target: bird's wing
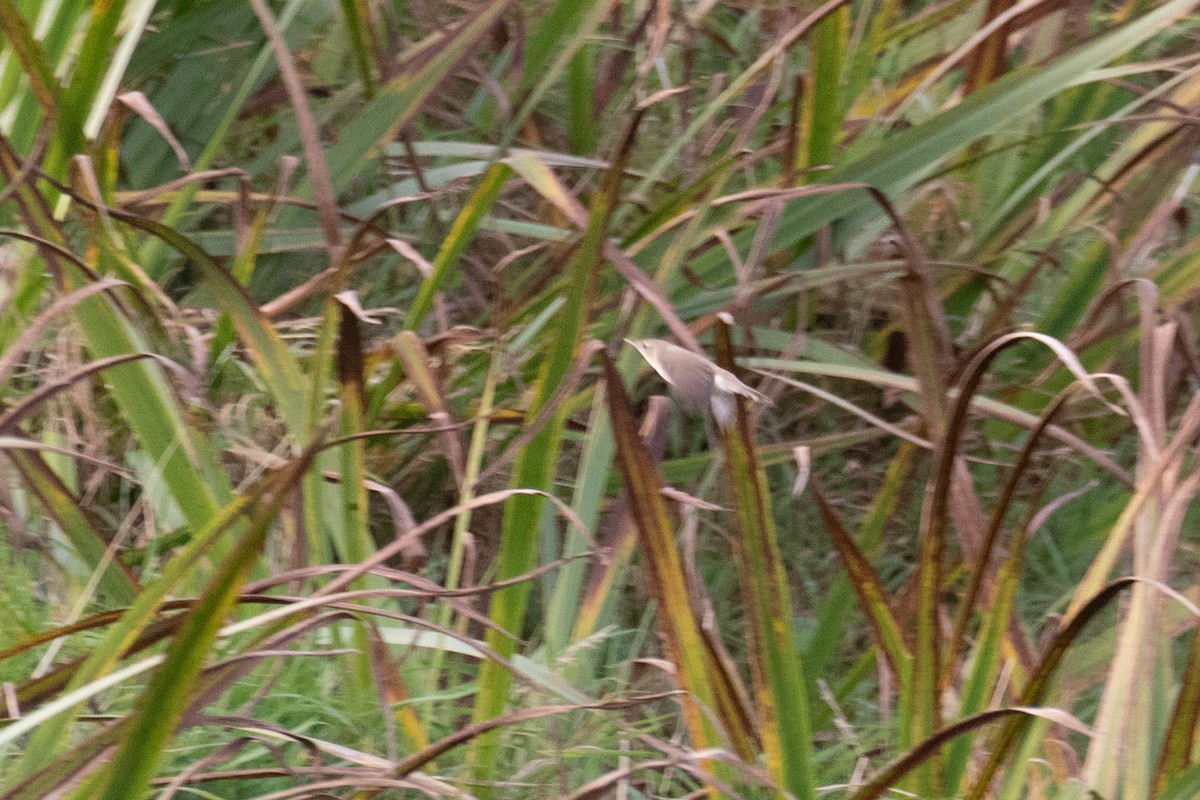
693,384
726,381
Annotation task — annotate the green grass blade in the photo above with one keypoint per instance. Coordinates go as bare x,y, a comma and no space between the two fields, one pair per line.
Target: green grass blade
912,155
927,750
47,740
553,27
401,99
776,664
872,596
151,252
1176,752
832,620
824,95
535,464
77,523
986,663
581,80
696,671
358,21
281,373
590,485
188,465
1040,682
1184,786
170,691
460,235
38,69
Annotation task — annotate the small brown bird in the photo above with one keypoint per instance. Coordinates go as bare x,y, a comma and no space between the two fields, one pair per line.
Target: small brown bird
697,383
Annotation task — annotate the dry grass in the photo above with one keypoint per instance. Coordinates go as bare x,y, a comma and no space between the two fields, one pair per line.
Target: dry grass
325,472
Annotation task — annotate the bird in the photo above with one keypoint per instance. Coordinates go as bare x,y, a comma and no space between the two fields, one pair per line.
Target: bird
696,382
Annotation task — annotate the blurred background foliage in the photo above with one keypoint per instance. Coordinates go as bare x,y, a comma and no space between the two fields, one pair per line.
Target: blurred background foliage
326,472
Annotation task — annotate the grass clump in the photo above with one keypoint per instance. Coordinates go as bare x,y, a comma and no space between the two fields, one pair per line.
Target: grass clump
326,471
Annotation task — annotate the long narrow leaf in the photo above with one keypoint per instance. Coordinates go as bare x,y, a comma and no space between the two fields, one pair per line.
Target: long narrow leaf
656,539
535,464
776,664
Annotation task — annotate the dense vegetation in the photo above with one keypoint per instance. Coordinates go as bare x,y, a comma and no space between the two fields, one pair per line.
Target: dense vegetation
326,471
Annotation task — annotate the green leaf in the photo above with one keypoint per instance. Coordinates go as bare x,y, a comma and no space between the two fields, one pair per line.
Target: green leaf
402,98
536,463
909,156
776,665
